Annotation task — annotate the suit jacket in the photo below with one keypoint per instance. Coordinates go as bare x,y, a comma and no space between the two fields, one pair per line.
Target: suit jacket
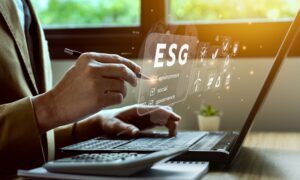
21,145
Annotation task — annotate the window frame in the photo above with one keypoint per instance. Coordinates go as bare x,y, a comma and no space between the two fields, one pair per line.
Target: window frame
262,38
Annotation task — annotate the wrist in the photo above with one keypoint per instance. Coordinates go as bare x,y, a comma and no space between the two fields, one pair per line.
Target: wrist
88,128
44,112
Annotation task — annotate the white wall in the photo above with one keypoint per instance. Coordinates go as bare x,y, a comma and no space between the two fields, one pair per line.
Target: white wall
280,112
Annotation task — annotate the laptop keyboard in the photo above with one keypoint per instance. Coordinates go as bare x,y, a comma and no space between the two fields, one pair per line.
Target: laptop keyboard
185,139
195,140
96,144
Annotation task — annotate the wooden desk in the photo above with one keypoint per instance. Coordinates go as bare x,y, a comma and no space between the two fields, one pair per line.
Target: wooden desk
265,156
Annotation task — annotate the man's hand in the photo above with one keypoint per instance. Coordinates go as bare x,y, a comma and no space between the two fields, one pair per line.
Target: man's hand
128,120
94,82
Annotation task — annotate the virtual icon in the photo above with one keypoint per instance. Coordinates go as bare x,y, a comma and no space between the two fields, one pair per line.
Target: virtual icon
227,80
235,48
197,83
215,52
202,52
225,44
210,81
152,91
218,82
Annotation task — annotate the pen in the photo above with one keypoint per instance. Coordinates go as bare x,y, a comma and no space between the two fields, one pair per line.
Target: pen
76,54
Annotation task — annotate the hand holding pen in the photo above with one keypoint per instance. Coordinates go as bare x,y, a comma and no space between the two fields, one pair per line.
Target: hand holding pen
76,54
94,82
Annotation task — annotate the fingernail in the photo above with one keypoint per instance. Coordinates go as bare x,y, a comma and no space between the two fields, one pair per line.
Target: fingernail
138,69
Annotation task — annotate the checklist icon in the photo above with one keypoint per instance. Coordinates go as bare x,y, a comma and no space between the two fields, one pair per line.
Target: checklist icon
152,91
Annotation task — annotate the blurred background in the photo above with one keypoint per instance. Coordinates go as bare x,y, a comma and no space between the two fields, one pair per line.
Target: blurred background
121,26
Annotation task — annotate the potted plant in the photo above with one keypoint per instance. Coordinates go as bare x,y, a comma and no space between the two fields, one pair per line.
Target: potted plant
209,118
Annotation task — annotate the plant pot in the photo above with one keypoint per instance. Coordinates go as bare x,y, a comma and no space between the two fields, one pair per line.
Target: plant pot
210,123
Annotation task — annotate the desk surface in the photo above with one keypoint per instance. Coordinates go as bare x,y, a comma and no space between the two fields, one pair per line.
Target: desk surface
265,156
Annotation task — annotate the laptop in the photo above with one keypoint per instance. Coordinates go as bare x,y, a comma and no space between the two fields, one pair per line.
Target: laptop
219,148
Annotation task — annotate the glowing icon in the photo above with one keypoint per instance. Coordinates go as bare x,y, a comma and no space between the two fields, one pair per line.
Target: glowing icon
210,81
202,51
226,44
203,54
197,82
227,60
214,55
218,82
227,80
152,91
235,48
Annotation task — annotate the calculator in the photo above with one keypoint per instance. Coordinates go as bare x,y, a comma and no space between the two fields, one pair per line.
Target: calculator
111,164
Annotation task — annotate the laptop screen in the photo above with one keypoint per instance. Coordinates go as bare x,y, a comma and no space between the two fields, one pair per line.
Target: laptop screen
211,86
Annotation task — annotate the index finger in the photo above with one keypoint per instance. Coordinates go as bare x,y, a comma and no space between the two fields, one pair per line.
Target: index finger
172,127
165,116
118,71
114,58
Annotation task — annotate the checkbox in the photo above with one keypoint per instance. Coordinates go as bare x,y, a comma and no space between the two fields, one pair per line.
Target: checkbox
152,91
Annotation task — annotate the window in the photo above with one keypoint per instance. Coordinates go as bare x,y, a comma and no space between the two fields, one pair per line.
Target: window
201,11
88,13
121,26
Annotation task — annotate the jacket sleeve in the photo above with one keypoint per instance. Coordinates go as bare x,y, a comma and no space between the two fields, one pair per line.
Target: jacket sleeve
20,140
